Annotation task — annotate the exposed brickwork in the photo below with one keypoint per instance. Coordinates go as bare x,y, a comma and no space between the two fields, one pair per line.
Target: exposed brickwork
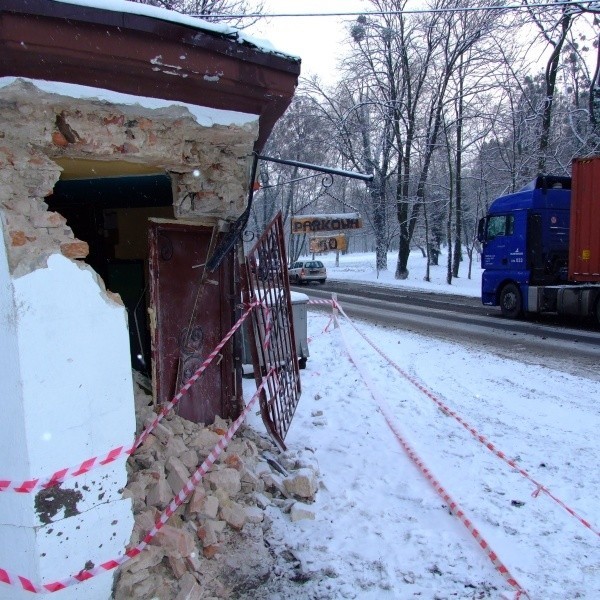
75,249
18,238
209,166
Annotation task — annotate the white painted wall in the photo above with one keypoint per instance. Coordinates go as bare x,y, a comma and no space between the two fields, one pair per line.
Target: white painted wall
66,395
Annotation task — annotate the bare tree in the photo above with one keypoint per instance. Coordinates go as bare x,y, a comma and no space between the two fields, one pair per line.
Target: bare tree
446,112
410,61
594,96
582,80
458,33
302,136
237,13
554,27
363,139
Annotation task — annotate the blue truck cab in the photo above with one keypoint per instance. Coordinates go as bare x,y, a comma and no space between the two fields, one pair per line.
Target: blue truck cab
525,244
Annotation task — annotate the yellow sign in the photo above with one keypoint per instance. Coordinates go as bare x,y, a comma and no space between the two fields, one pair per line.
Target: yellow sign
326,244
586,255
317,223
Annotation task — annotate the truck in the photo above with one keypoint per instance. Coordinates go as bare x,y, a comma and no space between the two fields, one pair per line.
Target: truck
540,246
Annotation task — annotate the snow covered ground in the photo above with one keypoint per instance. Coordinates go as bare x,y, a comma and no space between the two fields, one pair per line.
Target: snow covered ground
361,267
381,531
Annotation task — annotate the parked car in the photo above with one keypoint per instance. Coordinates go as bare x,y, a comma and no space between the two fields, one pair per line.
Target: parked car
305,271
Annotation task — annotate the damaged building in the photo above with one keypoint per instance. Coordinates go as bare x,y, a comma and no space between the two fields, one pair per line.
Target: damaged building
126,146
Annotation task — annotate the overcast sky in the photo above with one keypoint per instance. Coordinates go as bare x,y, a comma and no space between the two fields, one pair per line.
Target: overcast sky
315,39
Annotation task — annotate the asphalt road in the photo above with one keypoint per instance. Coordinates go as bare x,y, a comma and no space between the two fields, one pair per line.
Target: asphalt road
572,346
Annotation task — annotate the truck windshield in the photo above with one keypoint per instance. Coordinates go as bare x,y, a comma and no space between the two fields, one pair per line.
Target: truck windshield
499,225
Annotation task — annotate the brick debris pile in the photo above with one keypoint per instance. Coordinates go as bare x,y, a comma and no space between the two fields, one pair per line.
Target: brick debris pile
214,545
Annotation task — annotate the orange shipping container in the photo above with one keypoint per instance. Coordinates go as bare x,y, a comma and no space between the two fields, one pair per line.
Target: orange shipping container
584,232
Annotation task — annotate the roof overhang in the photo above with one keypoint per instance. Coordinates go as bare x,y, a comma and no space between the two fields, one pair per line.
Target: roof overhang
145,56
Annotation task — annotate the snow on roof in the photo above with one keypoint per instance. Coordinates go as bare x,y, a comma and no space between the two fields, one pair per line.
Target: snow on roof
203,115
124,6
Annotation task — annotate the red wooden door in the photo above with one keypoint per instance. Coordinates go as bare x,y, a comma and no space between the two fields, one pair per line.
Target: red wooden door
192,313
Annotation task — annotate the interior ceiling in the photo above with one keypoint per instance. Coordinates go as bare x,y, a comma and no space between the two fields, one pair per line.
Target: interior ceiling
93,169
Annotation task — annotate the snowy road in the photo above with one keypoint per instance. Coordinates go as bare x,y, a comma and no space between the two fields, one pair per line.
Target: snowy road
381,531
573,348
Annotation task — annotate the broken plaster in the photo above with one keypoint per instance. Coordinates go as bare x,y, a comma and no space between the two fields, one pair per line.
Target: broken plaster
49,502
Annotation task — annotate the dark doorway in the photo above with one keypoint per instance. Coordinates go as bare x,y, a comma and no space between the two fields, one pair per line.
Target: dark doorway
111,214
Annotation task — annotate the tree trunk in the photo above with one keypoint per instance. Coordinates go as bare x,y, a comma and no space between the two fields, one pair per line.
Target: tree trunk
449,221
458,170
427,270
402,214
594,97
551,73
377,193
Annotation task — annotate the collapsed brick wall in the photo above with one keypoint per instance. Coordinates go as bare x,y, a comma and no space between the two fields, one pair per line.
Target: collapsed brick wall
209,166
214,545
31,232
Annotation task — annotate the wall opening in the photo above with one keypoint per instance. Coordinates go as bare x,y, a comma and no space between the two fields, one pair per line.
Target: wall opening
111,214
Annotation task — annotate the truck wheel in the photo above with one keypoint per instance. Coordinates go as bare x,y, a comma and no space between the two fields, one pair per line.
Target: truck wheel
597,312
510,301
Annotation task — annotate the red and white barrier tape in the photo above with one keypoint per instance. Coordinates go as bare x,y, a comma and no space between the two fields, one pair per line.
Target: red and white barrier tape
169,406
452,505
480,438
268,325
85,574
33,485
328,303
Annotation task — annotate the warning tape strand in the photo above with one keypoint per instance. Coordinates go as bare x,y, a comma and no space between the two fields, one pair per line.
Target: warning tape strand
452,505
268,324
191,484
34,485
195,376
539,487
331,317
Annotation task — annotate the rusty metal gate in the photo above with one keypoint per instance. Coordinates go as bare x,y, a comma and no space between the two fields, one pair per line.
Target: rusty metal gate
271,331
